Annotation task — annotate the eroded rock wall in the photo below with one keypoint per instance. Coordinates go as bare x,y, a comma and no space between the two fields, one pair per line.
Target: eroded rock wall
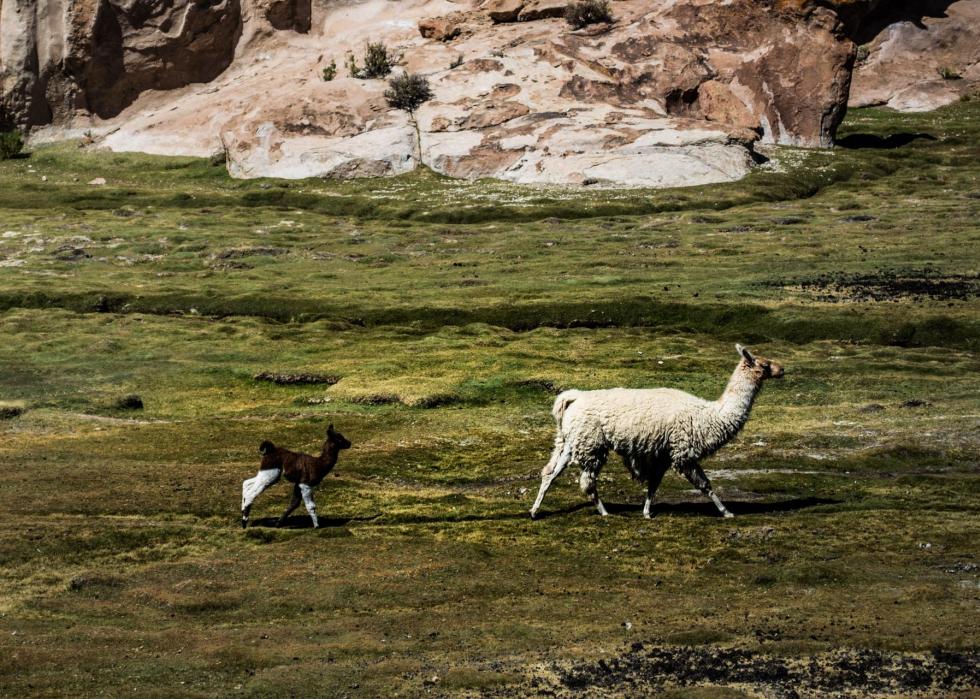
667,93
919,56
61,58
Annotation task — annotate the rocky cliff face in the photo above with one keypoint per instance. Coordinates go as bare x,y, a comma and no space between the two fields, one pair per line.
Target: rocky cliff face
919,56
668,93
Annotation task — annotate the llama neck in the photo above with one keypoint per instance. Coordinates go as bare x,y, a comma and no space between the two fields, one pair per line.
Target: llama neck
328,455
735,403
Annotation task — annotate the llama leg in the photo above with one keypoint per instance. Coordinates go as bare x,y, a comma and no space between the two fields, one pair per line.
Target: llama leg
656,476
560,458
307,492
696,475
253,487
293,504
589,482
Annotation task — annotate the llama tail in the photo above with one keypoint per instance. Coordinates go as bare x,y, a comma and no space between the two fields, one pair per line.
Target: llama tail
564,399
266,447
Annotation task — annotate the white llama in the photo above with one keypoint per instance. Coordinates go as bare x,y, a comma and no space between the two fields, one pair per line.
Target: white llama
652,430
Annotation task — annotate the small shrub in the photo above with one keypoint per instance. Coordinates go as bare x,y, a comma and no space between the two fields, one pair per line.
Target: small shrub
862,54
586,12
378,62
947,73
129,402
408,91
330,72
457,62
11,144
219,157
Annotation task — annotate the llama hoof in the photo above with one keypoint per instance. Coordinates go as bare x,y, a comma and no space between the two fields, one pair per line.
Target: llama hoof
728,515
534,515
244,523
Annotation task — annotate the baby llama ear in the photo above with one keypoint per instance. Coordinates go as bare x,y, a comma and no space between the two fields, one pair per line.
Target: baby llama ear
750,360
330,428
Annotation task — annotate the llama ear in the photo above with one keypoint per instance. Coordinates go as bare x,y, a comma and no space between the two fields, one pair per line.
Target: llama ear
746,355
330,428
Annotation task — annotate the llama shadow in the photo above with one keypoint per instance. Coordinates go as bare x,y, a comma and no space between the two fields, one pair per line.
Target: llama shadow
703,509
858,141
699,509
521,513
304,522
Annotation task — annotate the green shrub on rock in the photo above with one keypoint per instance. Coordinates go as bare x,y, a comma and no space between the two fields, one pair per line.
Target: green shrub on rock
408,91
585,12
11,144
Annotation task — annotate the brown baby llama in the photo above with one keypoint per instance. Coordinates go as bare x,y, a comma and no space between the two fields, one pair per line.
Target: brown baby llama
302,470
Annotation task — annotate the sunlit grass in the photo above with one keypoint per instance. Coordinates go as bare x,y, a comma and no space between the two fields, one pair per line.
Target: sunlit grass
450,314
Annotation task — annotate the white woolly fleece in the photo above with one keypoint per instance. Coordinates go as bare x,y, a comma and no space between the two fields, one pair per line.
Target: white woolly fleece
652,426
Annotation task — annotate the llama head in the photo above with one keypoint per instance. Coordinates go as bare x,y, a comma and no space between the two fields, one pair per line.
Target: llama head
760,367
336,439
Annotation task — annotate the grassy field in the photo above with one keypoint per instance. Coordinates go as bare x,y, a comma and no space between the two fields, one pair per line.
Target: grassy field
443,317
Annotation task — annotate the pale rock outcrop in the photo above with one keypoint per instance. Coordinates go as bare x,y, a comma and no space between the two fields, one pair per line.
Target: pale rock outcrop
670,93
901,66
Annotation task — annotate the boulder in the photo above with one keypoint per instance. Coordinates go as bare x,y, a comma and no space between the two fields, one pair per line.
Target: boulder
440,28
504,10
542,9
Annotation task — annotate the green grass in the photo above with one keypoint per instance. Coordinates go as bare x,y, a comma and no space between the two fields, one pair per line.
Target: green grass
451,313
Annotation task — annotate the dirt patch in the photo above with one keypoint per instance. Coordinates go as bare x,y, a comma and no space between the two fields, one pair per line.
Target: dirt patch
296,379
128,402
886,285
542,384
376,399
9,412
839,673
237,253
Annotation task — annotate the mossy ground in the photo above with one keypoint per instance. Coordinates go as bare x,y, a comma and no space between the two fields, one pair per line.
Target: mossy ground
452,313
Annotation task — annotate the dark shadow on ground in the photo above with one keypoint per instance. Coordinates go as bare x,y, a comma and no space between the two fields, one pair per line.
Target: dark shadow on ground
699,509
867,140
643,670
304,522
519,512
706,509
